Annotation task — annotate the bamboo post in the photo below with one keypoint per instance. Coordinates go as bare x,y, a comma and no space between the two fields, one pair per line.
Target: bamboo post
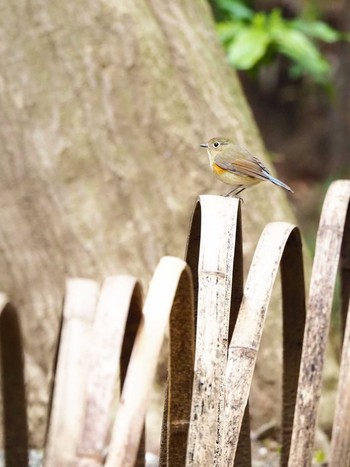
328,245
70,382
129,420
279,241
118,309
219,219
12,387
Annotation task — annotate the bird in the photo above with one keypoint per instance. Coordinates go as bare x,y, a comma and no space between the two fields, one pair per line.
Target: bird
236,166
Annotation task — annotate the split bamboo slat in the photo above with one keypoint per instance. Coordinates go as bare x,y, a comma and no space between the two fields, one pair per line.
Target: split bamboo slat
278,240
176,417
118,314
127,429
204,216
340,449
110,342
68,400
215,273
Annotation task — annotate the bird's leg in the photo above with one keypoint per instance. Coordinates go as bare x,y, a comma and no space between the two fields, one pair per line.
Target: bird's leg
233,191
239,191
236,191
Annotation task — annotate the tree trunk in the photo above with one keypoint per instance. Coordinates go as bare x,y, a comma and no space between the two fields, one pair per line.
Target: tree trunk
104,105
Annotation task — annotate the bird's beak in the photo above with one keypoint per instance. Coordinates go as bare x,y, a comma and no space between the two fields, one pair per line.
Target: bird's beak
203,145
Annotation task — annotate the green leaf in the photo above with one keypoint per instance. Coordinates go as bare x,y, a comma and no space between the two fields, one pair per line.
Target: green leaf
227,30
236,8
259,20
248,48
295,45
275,19
318,30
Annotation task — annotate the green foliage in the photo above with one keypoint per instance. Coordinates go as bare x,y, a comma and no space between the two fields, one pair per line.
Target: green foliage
255,38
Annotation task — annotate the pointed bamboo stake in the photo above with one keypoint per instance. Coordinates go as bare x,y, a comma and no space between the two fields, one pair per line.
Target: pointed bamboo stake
328,244
128,424
245,341
118,309
70,383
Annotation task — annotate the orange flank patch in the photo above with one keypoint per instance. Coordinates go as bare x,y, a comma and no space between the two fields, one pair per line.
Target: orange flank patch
218,170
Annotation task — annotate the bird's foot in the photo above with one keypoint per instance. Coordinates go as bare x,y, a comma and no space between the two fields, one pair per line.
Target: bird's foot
234,196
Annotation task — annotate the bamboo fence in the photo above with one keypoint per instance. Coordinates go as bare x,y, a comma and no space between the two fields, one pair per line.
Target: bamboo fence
110,342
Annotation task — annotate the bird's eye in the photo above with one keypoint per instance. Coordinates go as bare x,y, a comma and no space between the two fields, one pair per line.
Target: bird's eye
216,144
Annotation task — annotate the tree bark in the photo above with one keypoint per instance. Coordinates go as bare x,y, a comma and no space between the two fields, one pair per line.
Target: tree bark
104,105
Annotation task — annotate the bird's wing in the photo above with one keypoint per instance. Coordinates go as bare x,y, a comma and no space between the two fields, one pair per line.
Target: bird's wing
249,167
260,164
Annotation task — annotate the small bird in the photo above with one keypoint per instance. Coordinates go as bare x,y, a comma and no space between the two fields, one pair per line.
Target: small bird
236,166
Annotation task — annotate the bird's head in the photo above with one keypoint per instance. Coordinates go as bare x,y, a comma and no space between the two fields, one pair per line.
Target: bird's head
216,145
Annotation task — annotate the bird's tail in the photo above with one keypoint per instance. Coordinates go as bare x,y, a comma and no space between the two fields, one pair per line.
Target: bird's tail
279,183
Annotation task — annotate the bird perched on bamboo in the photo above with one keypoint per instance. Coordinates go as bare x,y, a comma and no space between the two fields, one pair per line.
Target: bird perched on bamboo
236,166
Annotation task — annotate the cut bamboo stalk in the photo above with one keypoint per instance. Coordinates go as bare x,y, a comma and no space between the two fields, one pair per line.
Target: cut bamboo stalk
245,341
328,244
12,387
215,269
129,421
120,297
340,448
70,383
